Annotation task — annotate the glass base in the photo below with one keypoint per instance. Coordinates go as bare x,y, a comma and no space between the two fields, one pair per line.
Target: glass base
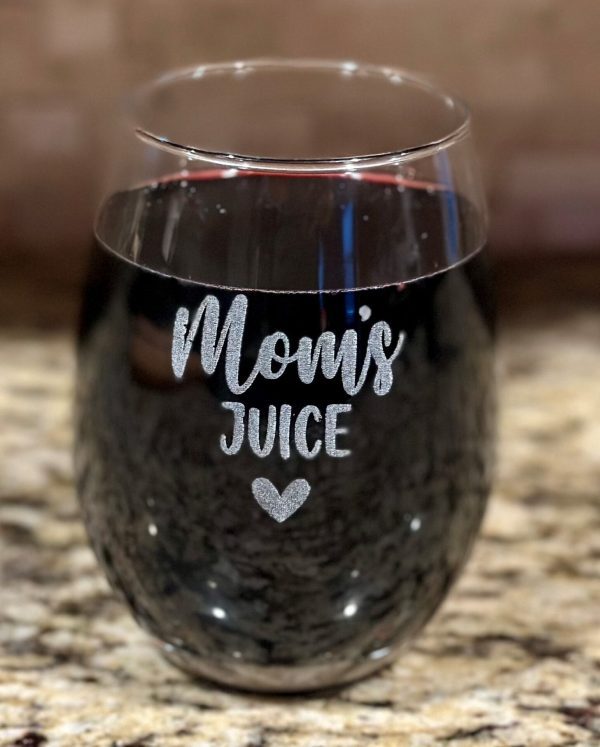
278,679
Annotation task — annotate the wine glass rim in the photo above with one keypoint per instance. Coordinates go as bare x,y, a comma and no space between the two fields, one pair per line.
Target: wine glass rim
397,76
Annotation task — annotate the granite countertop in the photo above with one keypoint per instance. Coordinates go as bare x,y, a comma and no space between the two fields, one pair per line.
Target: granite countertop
512,658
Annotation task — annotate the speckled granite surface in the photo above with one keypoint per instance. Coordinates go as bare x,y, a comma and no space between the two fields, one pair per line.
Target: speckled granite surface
512,658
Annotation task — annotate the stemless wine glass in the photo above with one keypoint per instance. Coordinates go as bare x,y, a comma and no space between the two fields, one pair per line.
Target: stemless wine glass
285,394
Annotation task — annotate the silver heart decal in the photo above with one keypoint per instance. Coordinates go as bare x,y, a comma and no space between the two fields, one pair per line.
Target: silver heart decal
280,506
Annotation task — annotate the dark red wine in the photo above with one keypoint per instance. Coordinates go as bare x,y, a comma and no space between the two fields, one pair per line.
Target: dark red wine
284,484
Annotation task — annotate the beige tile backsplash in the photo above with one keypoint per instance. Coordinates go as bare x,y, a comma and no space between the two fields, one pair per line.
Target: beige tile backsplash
529,68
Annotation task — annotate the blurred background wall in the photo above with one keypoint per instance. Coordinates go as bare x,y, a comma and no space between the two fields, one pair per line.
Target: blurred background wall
529,68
